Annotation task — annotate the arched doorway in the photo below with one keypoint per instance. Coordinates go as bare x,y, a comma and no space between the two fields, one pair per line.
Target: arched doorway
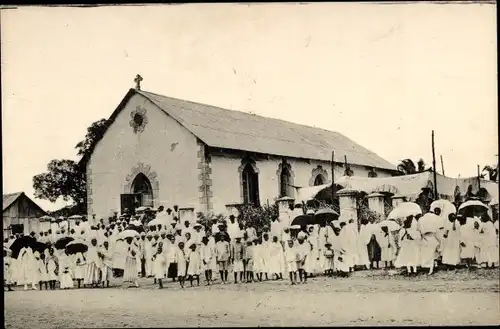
319,180
141,186
250,180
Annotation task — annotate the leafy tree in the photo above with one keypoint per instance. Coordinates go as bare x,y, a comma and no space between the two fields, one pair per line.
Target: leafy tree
62,179
408,167
65,178
491,171
94,134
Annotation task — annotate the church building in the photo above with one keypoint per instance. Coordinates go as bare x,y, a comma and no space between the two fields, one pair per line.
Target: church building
159,150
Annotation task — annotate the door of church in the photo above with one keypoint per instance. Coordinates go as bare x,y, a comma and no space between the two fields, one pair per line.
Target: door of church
129,202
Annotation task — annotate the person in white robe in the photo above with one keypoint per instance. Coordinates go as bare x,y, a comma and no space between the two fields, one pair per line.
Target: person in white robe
364,237
193,259
119,256
339,246
469,239
353,237
291,254
159,264
488,255
197,234
209,259
66,271
180,259
276,259
52,265
303,248
106,263
387,244
93,265
8,271
324,235
79,266
43,276
27,268
408,255
148,254
258,261
233,228
451,242
428,246
130,272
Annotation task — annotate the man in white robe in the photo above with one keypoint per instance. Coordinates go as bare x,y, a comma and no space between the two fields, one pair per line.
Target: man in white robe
451,242
93,265
27,268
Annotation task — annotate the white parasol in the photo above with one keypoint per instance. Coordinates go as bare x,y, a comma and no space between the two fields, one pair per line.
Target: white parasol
404,210
430,222
128,234
75,217
446,207
472,203
390,224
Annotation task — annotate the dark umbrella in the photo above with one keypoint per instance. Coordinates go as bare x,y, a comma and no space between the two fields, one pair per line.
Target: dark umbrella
302,220
76,246
20,243
138,229
325,215
62,242
39,246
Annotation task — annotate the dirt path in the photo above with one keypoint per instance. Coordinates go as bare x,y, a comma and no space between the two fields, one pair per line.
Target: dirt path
355,301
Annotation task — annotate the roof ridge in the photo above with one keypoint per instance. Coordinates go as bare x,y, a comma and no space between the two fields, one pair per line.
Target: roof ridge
246,113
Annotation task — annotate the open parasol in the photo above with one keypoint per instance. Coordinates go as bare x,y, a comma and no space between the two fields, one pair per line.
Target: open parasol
75,217
404,210
45,218
20,243
128,234
430,222
390,224
77,246
62,242
472,207
446,207
325,215
39,246
303,220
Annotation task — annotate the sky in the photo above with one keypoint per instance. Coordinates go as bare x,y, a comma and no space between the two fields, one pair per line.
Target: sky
383,75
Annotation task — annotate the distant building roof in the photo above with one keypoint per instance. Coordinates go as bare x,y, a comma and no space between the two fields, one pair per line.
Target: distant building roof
237,130
9,199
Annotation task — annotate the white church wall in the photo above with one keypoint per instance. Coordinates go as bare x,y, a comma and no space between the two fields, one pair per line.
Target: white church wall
226,183
164,146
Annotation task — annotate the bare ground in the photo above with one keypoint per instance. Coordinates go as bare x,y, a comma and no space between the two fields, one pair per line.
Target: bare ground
366,298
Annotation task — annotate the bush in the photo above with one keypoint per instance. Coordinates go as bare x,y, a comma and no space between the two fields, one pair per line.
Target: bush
258,217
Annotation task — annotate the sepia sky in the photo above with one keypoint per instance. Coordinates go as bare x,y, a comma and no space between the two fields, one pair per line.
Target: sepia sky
383,75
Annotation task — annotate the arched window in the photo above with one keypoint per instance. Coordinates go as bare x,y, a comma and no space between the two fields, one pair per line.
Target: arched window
250,181
142,187
285,178
319,180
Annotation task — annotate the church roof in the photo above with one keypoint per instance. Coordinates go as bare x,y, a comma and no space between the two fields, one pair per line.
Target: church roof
229,129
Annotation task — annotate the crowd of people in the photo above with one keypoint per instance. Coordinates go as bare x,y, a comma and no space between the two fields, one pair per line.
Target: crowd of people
161,246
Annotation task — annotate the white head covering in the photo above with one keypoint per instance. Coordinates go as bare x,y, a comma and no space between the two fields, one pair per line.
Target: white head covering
301,235
310,212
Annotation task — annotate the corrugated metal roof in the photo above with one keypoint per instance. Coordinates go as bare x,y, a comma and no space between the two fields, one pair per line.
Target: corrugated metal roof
237,130
9,199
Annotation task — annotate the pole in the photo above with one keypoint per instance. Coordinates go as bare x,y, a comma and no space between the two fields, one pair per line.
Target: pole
442,165
333,177
478,178
434,167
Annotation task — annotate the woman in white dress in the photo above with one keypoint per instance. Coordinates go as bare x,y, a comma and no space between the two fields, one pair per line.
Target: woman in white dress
27,268
277,258
180,259
488,249
106,256
194,264
65,271
130,272
159,264
209,261
364,237
42,273
79,263
408,255
451,242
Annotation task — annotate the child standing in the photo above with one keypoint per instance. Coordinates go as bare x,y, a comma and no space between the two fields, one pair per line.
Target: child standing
223,254
159,264
276,258
291,261
248,261
237,258
303,249
79,268
52,265
194,264
65,272
387,246
258,263
42,271
329,256
180,259
208,259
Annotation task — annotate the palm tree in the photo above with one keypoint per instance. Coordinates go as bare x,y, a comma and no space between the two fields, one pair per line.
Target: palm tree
407,167
492,172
